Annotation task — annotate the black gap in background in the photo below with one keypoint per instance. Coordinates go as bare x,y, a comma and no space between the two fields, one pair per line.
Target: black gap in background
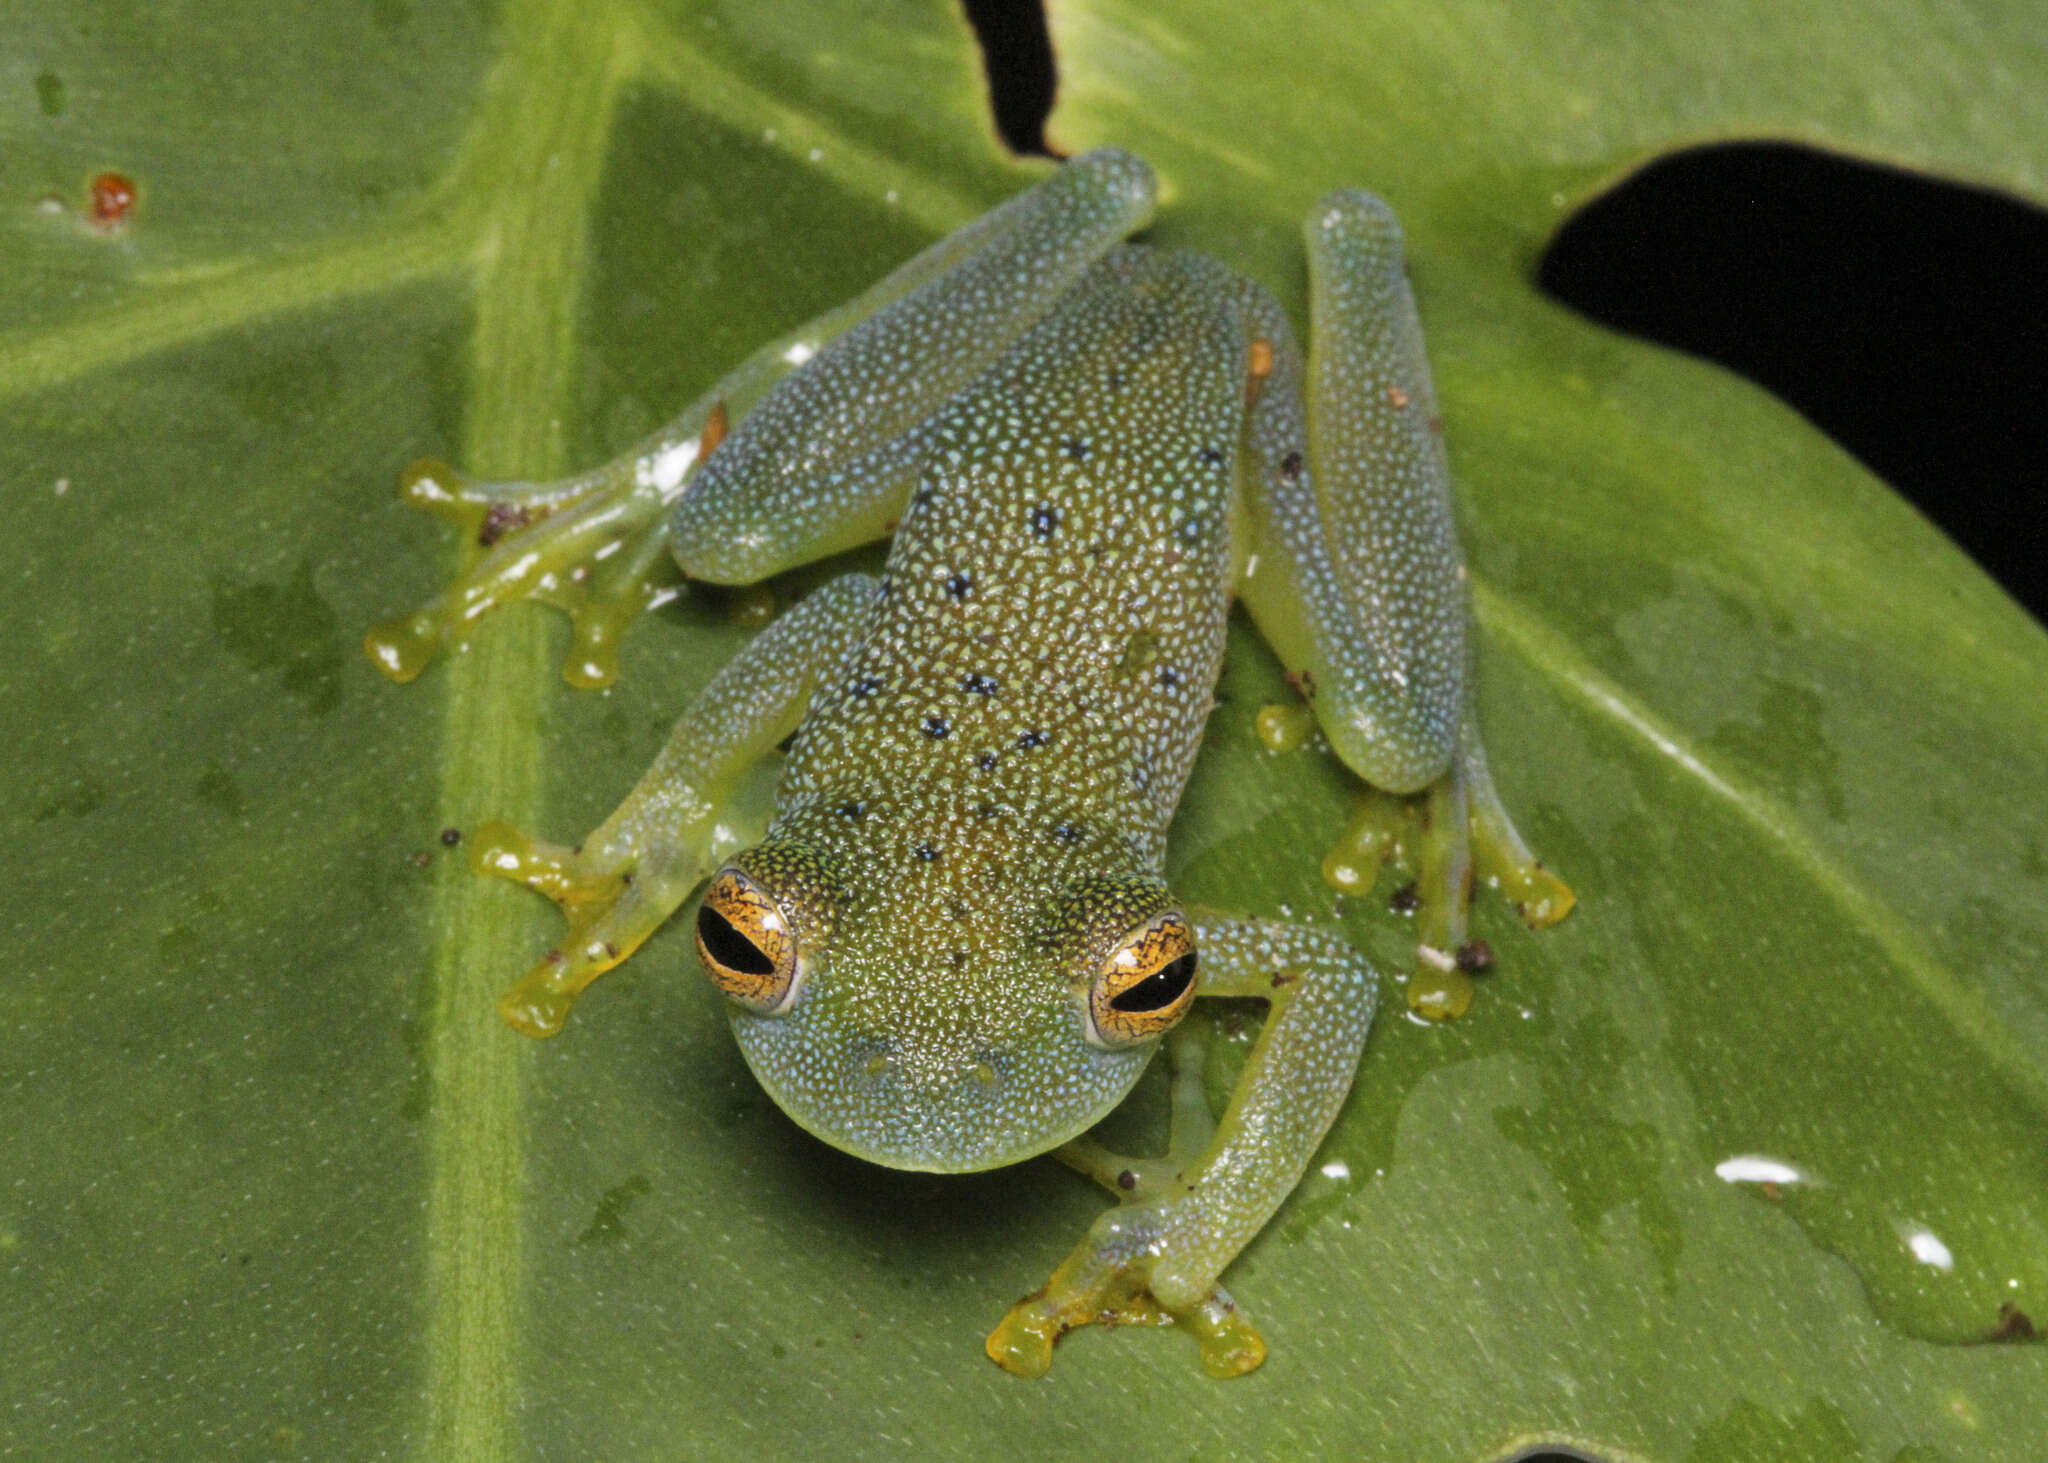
1016,54
1906,318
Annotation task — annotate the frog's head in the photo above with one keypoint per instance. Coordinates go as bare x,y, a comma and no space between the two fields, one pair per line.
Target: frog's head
943,1023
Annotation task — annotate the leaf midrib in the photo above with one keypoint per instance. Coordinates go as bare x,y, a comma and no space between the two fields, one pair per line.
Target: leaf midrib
534,160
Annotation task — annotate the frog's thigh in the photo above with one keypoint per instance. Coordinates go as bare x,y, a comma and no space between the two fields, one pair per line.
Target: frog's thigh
1357,577
826,460
830,423
629,875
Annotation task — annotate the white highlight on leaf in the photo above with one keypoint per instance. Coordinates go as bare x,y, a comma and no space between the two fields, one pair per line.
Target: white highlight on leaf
1750,1168
1926,1248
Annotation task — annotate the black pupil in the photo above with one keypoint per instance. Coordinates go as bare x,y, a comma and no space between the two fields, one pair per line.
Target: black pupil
1158,990
728,947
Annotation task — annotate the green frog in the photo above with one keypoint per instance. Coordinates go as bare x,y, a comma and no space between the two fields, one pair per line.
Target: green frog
955,947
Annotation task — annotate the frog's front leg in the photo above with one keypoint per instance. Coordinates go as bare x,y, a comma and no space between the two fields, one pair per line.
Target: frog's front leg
1183,1218
631,873
1356,580
827,427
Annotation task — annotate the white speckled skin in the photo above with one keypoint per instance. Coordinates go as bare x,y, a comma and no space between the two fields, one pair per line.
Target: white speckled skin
1024,701
823,462
1083,449
1011,733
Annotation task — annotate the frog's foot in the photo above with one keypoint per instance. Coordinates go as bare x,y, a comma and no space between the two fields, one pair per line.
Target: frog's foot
1100,1283
1285,726
1108,1279
1444,839
591,545
612,904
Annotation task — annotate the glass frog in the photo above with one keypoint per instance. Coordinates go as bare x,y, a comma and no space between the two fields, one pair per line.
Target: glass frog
954,947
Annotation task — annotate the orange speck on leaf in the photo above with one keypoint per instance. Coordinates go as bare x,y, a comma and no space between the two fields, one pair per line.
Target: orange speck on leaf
113,196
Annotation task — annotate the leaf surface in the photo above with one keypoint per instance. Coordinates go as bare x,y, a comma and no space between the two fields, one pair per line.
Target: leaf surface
279,1185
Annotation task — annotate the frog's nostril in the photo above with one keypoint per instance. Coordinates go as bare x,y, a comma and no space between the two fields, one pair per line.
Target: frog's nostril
872,1063
897,1073
987,1074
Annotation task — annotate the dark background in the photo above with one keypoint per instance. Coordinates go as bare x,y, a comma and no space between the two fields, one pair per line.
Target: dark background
1905,317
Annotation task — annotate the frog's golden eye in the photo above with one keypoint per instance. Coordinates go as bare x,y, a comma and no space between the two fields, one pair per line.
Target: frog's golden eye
1146,985
746,944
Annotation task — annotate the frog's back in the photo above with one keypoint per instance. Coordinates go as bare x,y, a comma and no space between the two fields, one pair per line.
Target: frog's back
1052,618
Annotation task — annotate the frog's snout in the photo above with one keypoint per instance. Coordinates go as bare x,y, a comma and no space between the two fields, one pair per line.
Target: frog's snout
906,1106
928,1100
917,1105
887,1065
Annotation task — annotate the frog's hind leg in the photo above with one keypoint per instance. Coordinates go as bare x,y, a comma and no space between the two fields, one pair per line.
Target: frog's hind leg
828,463
1356,580
829,425
631,873
591,545
1453,836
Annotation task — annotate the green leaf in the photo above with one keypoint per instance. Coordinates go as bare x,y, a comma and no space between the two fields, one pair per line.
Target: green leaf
277,1184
